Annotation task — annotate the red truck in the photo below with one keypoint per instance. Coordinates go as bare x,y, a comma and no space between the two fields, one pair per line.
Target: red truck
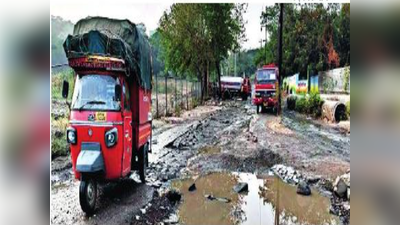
109,131
265,88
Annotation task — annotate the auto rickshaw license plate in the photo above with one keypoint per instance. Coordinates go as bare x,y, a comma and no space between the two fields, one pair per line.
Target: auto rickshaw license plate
265,104
101,116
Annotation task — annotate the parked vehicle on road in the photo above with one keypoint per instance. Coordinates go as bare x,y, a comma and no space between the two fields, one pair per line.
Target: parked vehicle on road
235,86
109,131
266,85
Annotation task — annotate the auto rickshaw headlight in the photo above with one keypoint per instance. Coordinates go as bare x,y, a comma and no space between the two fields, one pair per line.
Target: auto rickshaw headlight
111,137
71,135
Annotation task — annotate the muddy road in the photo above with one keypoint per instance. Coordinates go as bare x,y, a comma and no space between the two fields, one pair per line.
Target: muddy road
214,147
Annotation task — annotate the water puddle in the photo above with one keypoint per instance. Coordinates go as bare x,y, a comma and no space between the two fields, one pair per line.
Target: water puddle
215,202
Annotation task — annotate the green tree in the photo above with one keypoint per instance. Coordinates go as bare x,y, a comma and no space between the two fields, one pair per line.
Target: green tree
196,37
156,50
315,37
226,25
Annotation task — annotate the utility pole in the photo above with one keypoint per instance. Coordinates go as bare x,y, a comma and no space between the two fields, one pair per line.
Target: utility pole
280,58
157,98
266,41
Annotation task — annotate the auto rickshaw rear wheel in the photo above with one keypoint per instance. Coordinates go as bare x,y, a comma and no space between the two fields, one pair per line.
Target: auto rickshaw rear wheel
88,195
143,157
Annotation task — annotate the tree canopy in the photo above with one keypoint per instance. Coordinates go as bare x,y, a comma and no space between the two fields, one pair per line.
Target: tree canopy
315,37
195,38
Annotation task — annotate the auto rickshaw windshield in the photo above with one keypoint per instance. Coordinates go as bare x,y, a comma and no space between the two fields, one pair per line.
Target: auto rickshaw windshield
95,92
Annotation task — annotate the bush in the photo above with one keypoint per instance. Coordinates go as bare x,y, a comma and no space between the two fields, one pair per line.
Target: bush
178,110
291,102
195,102
311,104
59,145
315,105
301,105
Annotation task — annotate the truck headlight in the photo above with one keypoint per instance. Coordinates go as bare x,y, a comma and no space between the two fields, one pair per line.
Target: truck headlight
71,135
111,137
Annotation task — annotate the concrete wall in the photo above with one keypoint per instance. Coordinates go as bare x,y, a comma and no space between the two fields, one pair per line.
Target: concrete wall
334,81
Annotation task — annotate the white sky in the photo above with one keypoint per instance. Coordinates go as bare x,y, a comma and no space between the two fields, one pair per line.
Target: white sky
147,13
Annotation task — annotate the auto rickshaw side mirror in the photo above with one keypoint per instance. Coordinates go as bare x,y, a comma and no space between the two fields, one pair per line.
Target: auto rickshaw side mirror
65,89
117,92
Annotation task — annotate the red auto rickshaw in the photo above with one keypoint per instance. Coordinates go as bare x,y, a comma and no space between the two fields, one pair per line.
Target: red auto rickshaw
265,87
109,131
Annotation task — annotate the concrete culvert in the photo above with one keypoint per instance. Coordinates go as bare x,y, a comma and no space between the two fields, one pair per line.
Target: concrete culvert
334,111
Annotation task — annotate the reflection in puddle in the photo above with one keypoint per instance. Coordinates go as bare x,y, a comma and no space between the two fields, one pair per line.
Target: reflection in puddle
257,206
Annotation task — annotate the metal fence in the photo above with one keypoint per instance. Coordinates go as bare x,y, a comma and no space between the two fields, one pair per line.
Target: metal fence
171,95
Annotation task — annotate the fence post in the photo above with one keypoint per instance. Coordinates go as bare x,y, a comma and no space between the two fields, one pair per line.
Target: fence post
166,95
180,101
156,97
176,99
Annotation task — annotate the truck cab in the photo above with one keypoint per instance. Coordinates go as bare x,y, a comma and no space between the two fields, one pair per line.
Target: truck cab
266,85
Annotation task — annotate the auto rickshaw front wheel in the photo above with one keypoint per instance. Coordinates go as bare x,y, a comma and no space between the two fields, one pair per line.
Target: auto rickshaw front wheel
88,195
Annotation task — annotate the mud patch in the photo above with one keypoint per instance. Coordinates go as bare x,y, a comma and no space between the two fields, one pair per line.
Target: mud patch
268,201
209,150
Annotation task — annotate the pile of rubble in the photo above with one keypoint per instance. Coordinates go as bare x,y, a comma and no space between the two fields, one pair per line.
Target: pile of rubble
288,174
341,200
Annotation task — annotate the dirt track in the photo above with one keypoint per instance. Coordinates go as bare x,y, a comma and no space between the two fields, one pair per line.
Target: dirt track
228,137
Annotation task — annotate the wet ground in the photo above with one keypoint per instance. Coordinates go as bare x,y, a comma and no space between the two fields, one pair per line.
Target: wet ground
220,145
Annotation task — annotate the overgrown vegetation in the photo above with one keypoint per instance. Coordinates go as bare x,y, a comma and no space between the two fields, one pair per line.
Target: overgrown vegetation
346,81
348,109
310,104
178,110
59,145
195,102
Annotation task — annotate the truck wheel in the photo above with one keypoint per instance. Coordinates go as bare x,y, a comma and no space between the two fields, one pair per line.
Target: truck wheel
275,110
88,195
263,108
143,157
244,96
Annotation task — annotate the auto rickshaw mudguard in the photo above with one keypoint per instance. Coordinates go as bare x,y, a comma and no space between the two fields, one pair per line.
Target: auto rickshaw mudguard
90,158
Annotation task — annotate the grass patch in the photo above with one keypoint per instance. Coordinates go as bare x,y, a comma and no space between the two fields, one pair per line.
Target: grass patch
59,145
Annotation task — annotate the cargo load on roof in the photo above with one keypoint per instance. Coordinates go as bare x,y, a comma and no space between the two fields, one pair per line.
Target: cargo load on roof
121,39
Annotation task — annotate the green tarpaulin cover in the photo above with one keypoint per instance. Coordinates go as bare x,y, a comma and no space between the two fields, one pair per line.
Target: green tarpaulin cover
115,38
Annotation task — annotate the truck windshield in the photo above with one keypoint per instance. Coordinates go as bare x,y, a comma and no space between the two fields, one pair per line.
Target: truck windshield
266,76
95,92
